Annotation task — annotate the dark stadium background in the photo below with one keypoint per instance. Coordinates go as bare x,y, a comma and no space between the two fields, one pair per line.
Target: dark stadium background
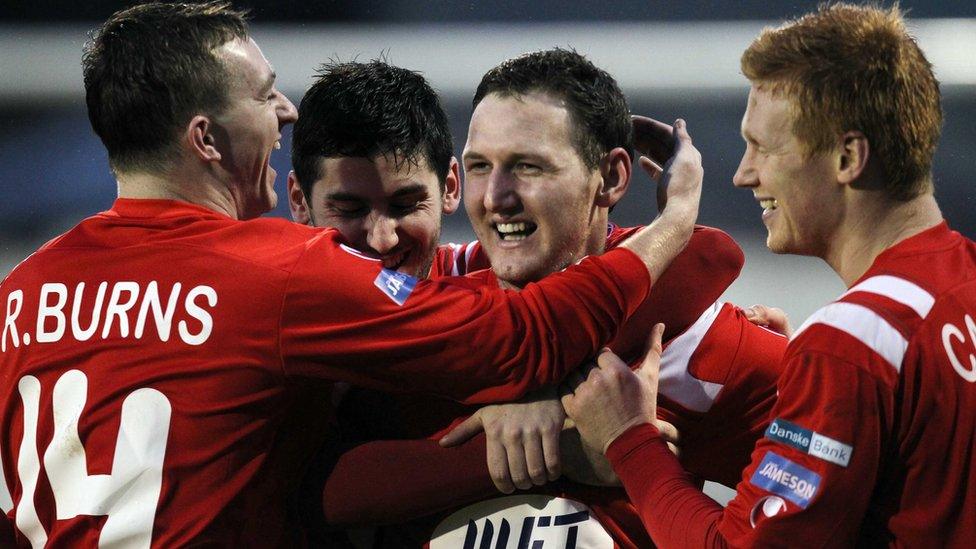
671,58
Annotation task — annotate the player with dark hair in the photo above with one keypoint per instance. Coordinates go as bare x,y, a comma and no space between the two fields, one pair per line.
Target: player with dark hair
376,143
161,357
526,170
871,440
373,157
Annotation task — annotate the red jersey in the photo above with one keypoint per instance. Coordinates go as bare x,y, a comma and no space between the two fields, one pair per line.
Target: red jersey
718,381
871,440
159,360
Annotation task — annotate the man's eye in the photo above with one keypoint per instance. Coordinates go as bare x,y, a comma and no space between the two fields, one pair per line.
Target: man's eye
476,167
526,168
405,208
348,210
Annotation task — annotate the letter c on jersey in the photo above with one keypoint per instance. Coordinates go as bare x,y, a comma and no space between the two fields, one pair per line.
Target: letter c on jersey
950,332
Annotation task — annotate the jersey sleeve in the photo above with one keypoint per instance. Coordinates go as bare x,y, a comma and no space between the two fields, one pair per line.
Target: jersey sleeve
345,318
810,478
740,414
694,281
426,479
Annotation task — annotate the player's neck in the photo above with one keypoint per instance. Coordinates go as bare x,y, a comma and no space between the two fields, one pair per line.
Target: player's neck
874,226
176,186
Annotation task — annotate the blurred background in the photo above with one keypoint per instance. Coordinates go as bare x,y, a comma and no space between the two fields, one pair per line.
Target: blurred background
671,59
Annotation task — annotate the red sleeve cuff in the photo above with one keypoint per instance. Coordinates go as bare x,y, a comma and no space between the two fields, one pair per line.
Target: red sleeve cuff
625,445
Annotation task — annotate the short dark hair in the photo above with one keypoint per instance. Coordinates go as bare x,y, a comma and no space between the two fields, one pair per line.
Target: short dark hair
366,110
149,69
597,107
847,67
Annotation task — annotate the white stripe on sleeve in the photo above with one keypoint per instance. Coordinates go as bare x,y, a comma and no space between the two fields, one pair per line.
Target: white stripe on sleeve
866,326
676,382
897,289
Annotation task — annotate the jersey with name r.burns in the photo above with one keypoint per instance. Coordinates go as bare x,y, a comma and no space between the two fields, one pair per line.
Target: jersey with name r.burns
165,370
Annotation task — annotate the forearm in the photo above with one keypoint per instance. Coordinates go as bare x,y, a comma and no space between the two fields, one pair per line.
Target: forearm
660,242
674,511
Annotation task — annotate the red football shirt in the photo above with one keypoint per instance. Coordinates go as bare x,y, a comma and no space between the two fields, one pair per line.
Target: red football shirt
718,381
159,365
872,437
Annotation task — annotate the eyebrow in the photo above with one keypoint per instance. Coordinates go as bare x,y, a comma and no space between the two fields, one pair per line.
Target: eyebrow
413,188
344,197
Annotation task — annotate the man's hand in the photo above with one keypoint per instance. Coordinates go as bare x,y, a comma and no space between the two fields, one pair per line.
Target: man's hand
584,464
611,398
773,318
679,192
523,440
654,140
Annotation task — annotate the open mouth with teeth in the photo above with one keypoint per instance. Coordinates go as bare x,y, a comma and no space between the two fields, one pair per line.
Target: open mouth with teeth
768,204
515,231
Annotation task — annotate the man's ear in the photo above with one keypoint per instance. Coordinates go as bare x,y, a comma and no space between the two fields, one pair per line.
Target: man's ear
853,157
452,188
300,210
200,138
615,170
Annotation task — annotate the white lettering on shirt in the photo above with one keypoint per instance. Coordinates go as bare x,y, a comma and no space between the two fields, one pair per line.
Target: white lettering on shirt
192,309
45,311
128,497
950,331
14,299
119,310
163,320
84,334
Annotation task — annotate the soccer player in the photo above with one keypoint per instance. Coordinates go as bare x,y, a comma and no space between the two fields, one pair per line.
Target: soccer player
160,358
872,438
543,167
372,156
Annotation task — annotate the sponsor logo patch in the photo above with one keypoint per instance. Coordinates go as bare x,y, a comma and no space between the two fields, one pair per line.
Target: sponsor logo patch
809,442
396,285
784,478
522,522
766,507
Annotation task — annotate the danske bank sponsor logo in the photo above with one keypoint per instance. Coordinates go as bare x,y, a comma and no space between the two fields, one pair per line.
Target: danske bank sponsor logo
810,442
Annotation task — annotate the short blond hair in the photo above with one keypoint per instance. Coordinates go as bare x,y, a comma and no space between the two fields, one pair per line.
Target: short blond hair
847,68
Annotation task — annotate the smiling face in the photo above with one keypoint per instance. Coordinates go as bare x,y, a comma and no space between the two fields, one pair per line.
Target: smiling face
528,193
802,204
389,212
249,129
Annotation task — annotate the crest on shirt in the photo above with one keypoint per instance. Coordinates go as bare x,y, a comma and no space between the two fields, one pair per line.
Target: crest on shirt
785,478
396,285
809,442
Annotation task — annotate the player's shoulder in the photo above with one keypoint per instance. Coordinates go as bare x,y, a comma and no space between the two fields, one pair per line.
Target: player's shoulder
870,325
898,295
271,242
